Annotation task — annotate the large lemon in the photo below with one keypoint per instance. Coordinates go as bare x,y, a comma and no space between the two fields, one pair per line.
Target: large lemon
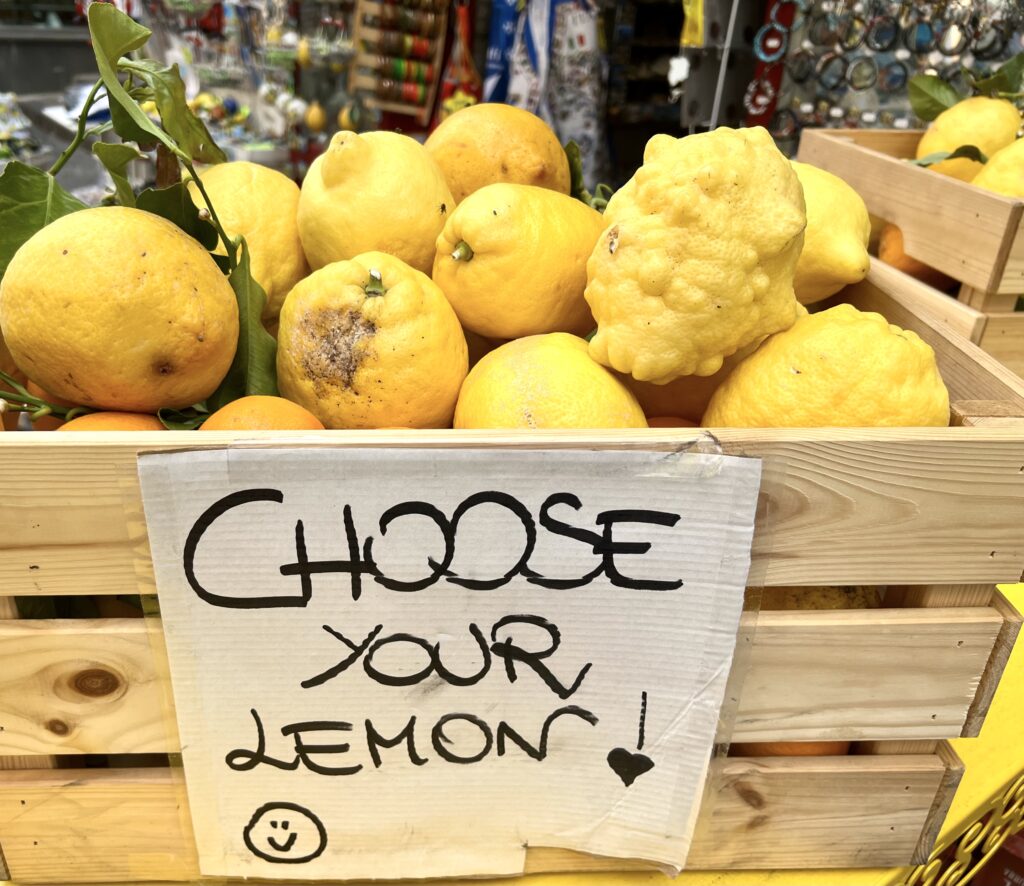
487,143
371,343
1004,172
987,123
260,204
545,381
835,252
839,368
512,260
116,308
376,191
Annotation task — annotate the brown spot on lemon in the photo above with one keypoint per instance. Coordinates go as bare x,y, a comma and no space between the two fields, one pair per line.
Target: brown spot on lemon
336,342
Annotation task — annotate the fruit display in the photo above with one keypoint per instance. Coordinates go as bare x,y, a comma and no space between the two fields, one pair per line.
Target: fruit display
471,282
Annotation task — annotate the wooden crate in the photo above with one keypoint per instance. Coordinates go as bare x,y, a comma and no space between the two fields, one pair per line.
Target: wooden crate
970,234
931,514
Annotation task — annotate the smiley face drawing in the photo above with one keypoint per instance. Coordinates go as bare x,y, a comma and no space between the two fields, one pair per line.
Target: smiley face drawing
285,833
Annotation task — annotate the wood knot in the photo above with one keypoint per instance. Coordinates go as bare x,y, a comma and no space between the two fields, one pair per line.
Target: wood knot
58,727
96,682
749,795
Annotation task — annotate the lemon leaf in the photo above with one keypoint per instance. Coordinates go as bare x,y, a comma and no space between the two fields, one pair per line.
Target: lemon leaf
176,205
183,419
577,186
964,152
116,157
931,95
1007,77
254,368
29,200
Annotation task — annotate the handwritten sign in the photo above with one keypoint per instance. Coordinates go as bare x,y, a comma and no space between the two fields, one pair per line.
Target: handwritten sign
418,663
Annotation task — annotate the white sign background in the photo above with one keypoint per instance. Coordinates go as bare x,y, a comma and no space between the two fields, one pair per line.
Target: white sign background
667,652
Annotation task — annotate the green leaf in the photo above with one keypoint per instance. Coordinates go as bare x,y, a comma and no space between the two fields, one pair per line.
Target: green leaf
114,34
176,205
602,194
964,152
577,186
931,95
29,200
183,126
183,419
116,157
1007,77
254,369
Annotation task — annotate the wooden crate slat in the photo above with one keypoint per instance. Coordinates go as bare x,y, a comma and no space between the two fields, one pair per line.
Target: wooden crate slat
80,686
1003,338
963,231
89,826
872,673
800,685
1008,634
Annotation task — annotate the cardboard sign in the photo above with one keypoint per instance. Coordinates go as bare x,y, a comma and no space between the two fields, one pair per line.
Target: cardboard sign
418,663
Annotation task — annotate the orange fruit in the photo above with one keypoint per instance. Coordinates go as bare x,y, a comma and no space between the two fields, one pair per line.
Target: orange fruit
890,250
114,421
670,421
47,422
262,413
789,749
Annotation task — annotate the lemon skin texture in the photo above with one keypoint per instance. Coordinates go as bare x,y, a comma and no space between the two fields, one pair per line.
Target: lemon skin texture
545,381
698,256
838,368
360,355
379,191
523,268
119,309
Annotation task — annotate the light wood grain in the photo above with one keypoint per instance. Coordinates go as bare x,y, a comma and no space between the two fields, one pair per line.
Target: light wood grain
988,302
88,826
935,596
993,672
864,674
966,232
1003,338
951,778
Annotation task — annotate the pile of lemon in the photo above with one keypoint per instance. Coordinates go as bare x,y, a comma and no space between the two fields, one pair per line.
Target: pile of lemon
458,283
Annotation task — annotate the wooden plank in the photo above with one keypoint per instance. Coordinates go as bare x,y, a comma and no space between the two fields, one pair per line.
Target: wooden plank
989,302
912,746
984,413
1004,339
864,674
899,143
943,800
940,595
89,826
838,506
79,686
993,672
963,231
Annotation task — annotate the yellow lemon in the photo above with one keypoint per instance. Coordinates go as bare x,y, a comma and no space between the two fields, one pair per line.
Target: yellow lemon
839,368
486,143
371,343
315,118
376,191
1004,172
855,597
115,308
698,257
512,260
261,205
545,381
835,252
987,123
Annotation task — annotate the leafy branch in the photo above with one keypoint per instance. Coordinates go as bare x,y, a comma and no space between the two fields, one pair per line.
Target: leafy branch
931,95
578,188
18,399
80,133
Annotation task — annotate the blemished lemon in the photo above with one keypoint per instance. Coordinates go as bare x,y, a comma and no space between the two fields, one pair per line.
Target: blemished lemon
116,308
376,191
260,204
545,381
487,143
835,252
371,343
512,260
838,368
989,124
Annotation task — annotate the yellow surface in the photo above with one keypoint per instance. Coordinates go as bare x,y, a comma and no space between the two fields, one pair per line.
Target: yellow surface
989,124
1004,172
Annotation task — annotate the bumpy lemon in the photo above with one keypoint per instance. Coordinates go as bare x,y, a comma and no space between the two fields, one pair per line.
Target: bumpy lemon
261,205
545,381
839,368
487,143
1004,172
376,191
371,343
835,252
512,260
698,257
989,124
854,597
115,308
